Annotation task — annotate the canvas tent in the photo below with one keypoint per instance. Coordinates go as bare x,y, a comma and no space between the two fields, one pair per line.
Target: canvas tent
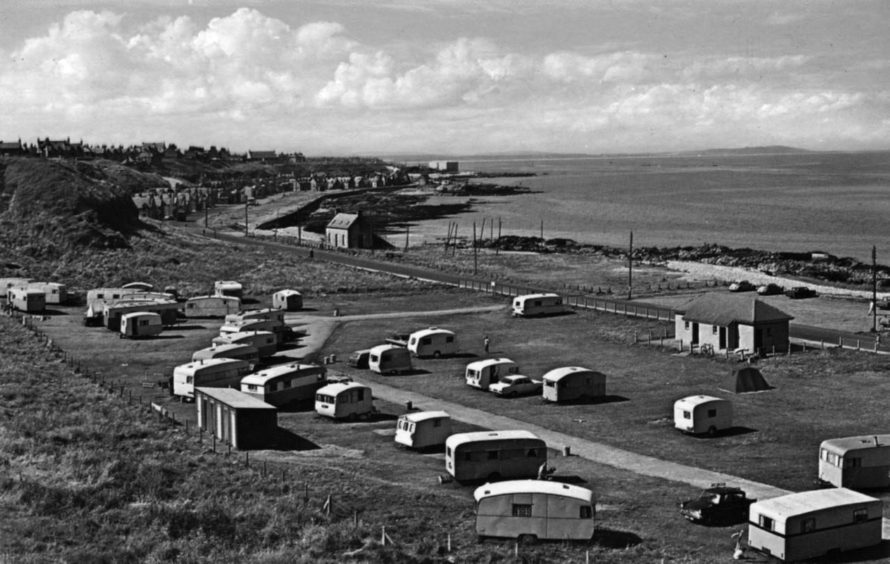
746,380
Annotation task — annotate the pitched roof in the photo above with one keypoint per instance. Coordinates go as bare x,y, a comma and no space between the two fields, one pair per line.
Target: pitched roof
343,220
723,309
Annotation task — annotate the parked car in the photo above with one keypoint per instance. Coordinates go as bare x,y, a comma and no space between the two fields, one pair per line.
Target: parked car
769,289
800,292
741,286
718,504
516,385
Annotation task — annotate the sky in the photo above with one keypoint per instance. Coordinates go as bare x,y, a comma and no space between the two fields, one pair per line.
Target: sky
448,77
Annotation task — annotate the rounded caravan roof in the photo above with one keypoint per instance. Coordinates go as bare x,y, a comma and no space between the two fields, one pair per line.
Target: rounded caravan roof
263,376
288,292
227,285
480,364
198,364
559,373
377,350
217,297
532,487
235,337
781,508
537,296
338,388
220,351
845,444
430,331
424,416
695,401
135,314
144,286
461,438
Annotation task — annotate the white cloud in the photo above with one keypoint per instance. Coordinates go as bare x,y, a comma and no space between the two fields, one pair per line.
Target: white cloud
247,76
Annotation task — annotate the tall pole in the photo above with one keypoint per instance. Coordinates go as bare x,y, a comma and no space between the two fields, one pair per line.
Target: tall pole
630,267
874,289
407,234
245,217
206,197
475,255
497,249
542,230
454,240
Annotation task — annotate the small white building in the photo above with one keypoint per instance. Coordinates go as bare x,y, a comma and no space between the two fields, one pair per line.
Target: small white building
423,429
812,524
432,342
535,509
730,322
702,414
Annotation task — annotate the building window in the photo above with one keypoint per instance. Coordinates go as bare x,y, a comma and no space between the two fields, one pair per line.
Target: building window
522,510
715,329
686,325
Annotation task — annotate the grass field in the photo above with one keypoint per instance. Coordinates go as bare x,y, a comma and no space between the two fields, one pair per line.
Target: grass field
93,475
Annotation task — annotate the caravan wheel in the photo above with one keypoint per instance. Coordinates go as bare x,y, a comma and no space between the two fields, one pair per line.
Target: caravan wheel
437,354
527,539
712,431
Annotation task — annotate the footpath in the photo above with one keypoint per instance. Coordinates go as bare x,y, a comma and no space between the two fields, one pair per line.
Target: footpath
319,328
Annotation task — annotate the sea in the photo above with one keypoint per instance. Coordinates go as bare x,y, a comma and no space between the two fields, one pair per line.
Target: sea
831,202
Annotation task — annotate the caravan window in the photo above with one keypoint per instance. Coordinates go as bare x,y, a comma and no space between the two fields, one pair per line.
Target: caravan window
549,383
851,462
492,455
807,525
437,422
426,341
712,413
586,512
522,510
449,339
532,452
860,515
687,415
766,523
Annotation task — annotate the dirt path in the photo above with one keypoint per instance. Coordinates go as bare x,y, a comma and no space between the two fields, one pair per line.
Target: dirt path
320,328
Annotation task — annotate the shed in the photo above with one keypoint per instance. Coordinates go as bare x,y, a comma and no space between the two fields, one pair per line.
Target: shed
236,418
349,231
730,322
288,300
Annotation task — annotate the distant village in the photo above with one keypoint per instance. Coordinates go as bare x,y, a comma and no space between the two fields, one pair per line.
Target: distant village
178,199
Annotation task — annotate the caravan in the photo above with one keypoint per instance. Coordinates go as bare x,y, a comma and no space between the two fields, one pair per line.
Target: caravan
232,350
482,373
531,305
26,300
274,315
856,462
702,414
432,342
423,429
287,300
228,288
285,383
494,455
536,509
141,324
389,359
572,383
213,373
265,342
344,400
54,292
811,524
167,309
212,306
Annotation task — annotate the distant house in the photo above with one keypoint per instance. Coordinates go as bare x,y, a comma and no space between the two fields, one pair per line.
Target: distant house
349,231
262,156
445,166
11,148
728,322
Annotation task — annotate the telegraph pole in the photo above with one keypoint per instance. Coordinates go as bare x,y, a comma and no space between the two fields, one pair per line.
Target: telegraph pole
245,217
407,233
475,251
630,267
874,289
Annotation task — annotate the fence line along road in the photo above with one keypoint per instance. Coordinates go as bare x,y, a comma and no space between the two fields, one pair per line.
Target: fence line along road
810,334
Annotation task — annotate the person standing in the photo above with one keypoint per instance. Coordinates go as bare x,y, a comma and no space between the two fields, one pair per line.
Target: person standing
486,343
